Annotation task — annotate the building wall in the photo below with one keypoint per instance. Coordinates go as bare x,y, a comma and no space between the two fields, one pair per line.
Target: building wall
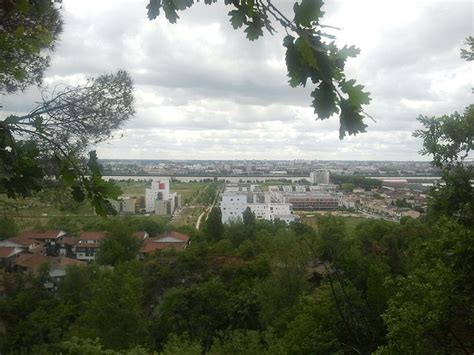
129,205
160,190
306,202
319,177
232,206
161,207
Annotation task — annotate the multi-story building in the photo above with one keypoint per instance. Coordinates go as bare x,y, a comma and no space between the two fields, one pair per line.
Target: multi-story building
88,245
160,190
233,205
320,177
311,202
160,200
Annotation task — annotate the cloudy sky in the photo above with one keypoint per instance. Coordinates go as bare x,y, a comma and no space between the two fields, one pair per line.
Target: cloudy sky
203,91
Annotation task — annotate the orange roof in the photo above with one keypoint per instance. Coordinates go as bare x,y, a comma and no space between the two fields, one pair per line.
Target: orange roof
22,240
62,261
32,261
173,234
35,234
92,235
5,252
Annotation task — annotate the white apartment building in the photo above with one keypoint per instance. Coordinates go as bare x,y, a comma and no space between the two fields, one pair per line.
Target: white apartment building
160,200
241,187
273,211
160,190
320,177
233,205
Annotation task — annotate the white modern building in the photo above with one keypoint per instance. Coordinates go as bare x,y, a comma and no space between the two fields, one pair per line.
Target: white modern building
160,200
320,177
233,205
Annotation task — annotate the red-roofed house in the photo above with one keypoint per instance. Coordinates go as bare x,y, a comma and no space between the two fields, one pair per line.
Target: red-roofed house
57,266
21,242
50,239
88,244
30,262
165,241
7,255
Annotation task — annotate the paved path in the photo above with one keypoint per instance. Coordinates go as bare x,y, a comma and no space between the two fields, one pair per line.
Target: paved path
207,211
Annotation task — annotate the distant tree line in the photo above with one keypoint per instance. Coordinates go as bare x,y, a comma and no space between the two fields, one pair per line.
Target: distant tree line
351,182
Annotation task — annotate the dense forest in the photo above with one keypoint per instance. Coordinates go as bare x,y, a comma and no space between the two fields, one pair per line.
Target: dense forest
259,287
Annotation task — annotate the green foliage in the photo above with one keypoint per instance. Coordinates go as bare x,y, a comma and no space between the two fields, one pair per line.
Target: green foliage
114,313
240,343
201,310
431,310
380,287
449,140
468,54
8,228
309,55
351,182
29,30
213,227
181,345
119,246
78,346
51,140
248,217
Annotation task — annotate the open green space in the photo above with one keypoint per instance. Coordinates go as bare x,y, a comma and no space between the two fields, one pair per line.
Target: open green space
187,190
350,222
188,216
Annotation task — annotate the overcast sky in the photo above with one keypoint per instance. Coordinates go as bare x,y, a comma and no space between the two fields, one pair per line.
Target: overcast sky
203,91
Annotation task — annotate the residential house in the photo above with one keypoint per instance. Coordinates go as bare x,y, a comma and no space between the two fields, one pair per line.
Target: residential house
48,238
8,255
166,241
88,244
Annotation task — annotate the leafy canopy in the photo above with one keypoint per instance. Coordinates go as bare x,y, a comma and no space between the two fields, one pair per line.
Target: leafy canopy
28,29
311,53
51,140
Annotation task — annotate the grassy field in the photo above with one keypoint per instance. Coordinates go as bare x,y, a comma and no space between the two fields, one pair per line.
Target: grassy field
351,222
189,216
188,190
40,210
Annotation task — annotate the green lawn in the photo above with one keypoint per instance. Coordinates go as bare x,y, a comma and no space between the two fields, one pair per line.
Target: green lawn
189,216
350,221
133,188
188,190
38,211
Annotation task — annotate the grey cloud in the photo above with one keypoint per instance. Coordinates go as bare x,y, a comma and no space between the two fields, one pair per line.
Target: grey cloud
204,90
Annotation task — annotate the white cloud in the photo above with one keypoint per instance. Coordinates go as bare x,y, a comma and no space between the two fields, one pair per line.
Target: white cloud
204,91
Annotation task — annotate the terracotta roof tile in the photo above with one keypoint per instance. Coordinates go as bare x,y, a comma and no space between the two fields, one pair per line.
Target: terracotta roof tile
47,234
5,252
23,240
32,261
62,262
